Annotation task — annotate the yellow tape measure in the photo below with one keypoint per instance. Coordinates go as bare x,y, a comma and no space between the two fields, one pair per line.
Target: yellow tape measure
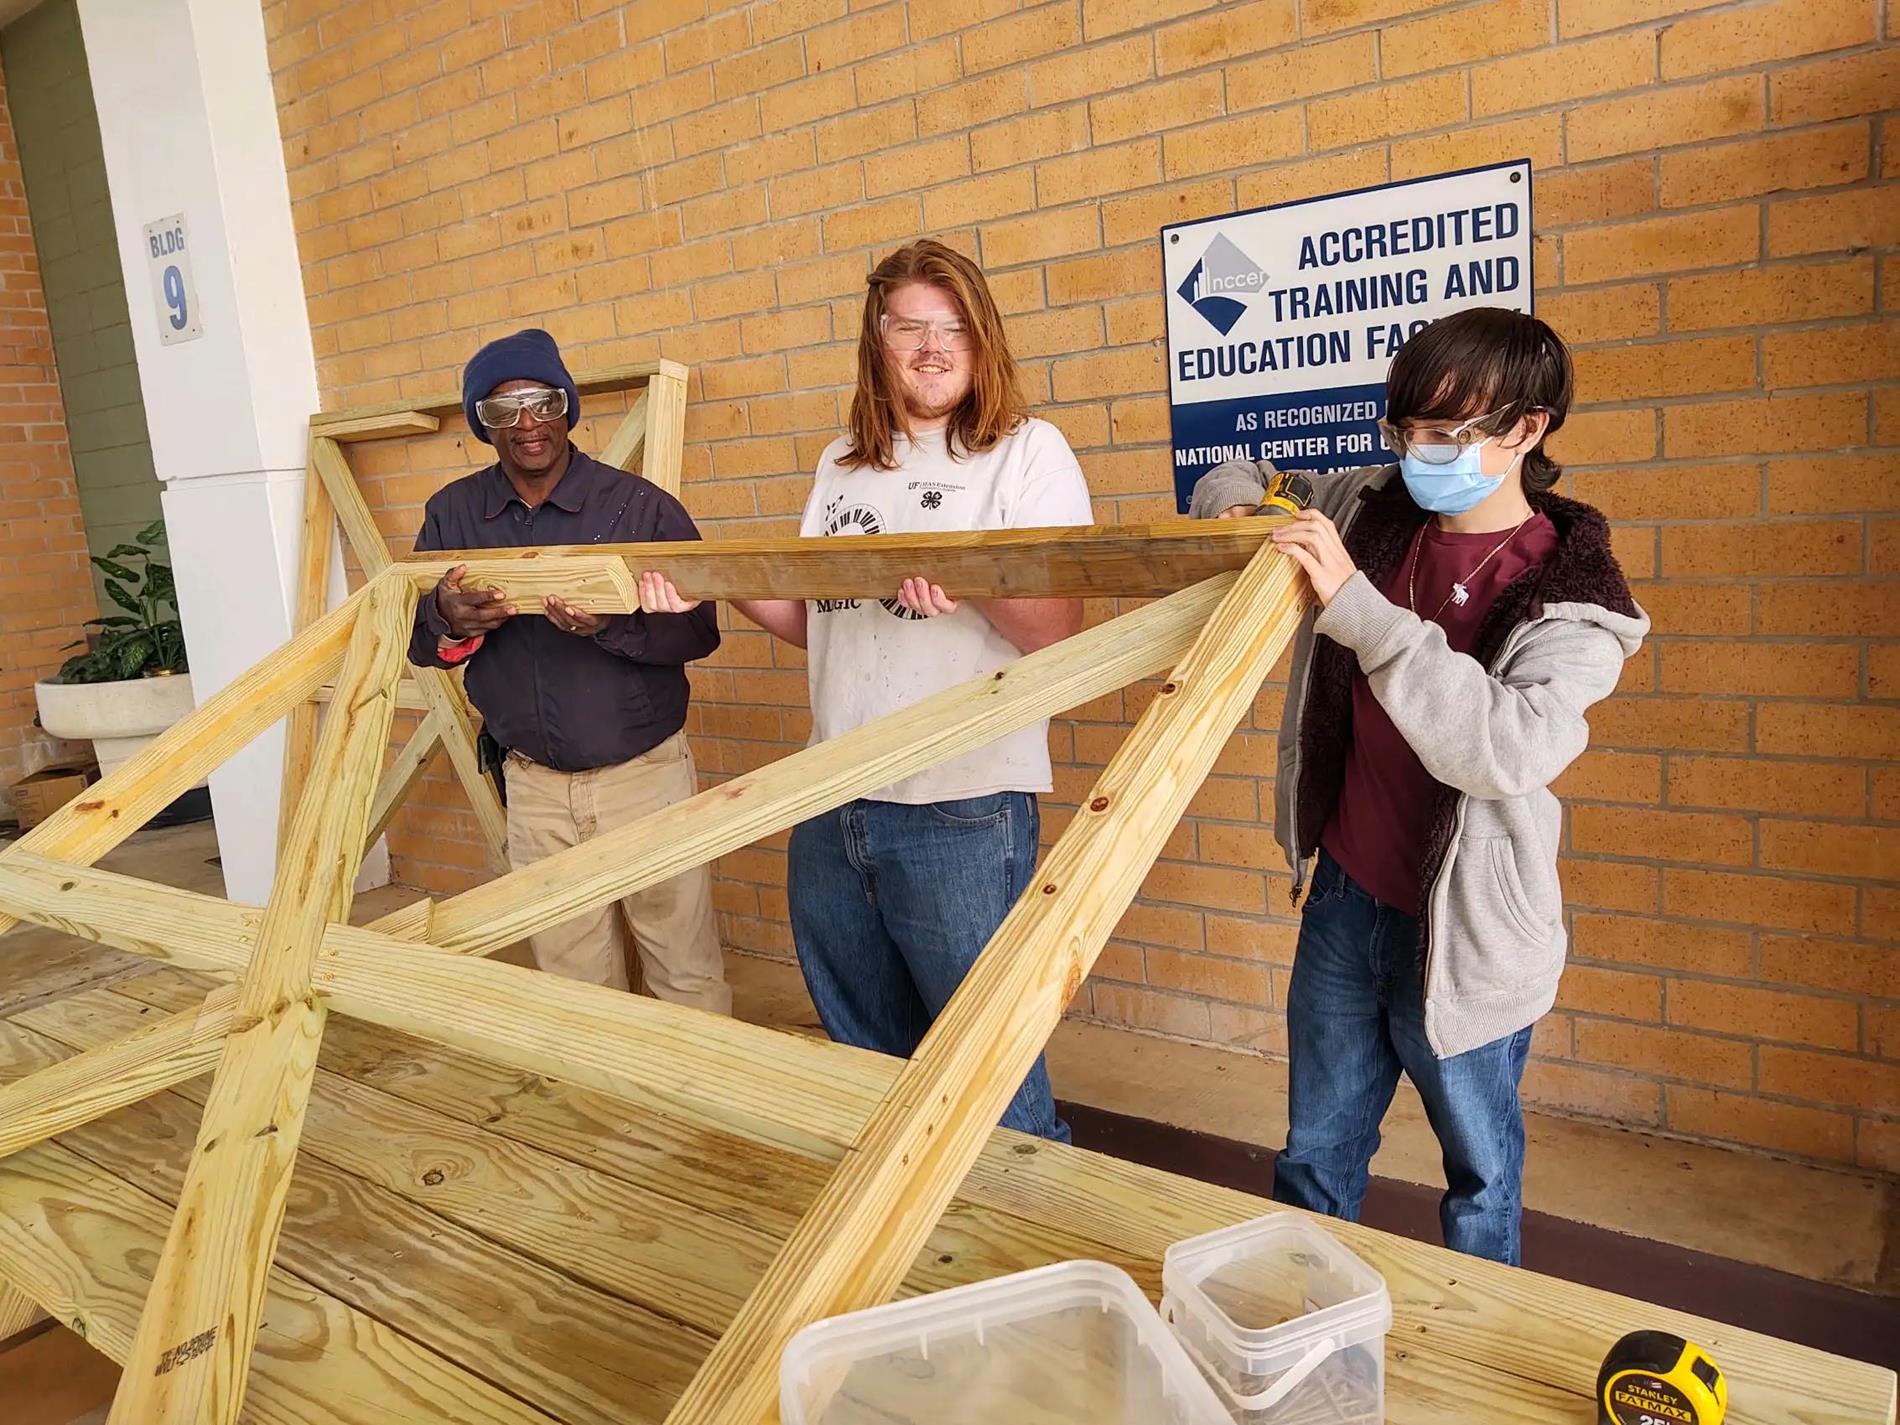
1654,1378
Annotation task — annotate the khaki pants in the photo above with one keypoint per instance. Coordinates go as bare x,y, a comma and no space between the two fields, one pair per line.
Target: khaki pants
671,923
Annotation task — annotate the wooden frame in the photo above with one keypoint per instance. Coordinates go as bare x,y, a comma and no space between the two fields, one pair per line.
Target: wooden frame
419,969
653,429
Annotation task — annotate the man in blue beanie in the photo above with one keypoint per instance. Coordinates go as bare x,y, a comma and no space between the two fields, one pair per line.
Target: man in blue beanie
589,708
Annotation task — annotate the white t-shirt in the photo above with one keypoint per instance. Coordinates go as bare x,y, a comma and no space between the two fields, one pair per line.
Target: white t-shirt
870,657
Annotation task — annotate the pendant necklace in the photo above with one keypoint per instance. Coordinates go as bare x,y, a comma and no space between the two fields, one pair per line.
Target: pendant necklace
1460,594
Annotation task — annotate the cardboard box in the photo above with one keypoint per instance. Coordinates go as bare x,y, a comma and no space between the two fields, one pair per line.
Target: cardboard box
39,795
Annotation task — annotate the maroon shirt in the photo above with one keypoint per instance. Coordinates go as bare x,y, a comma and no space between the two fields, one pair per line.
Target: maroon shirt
1378,829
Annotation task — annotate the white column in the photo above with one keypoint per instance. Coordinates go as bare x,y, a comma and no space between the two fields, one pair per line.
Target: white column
189,123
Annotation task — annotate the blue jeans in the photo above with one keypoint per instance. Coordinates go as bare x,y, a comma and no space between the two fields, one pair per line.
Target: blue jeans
891,904
1355,1018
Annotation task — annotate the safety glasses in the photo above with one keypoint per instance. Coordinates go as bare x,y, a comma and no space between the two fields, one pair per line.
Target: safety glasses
903,335
543,403
1437,444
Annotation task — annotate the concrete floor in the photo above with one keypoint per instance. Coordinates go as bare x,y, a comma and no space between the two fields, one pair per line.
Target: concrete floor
1816,1223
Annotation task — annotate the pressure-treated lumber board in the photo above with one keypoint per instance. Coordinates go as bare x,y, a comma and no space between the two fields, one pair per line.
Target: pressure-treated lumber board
1100,561
666,426
313,592
629,437
351,428
107,1077
401,775
851,1249
77,1240
18,1312
183,755
408,696
816,779
589,381
190,1358
592,1359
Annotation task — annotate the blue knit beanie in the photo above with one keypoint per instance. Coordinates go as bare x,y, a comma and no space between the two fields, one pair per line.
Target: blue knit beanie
529,355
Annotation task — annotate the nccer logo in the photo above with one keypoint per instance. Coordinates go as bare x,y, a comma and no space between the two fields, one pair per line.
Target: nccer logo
1216,285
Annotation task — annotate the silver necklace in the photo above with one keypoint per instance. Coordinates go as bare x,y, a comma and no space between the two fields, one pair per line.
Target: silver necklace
1460,594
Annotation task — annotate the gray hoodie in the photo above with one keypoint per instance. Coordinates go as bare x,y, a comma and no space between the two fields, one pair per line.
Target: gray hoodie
1494,728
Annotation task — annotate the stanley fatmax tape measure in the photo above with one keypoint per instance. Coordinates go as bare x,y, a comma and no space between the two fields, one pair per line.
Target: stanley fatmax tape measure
1654,1378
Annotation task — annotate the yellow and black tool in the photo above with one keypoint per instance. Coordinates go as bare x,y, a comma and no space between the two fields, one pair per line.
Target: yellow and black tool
1289,493
1654,1378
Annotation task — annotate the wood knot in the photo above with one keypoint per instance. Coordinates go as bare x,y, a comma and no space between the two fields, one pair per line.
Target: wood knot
1049,889
1167,687
1099,804
433,1178
89,806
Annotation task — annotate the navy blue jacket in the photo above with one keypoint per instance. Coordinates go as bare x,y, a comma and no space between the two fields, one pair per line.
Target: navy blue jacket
565,701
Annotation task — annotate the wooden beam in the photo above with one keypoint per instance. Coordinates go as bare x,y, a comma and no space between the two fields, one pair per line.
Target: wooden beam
313,592
408,696
853,1246
106,1078
191,1356
628,437
666,426
360,531
401,775
589,381
1103,561
781,794
183,755
394,423
18,1312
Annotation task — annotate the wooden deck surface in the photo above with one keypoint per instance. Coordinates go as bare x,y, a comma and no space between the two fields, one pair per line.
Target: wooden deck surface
469,1243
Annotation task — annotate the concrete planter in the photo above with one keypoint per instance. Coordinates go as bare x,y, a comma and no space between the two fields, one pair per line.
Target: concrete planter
118,718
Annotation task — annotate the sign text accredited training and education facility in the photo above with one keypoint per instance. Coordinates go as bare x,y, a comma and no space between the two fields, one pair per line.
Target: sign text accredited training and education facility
1283,320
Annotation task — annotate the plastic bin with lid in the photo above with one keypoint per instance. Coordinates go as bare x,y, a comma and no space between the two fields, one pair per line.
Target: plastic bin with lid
1071,1344
1288,1325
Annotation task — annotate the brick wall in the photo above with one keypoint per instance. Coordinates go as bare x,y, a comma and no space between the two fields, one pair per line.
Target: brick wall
1717,220
45,582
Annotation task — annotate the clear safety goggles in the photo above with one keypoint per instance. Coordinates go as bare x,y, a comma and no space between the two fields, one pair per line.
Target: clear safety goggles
904,335
544,403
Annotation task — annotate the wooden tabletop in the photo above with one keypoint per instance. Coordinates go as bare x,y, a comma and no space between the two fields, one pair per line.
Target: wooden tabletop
471,1243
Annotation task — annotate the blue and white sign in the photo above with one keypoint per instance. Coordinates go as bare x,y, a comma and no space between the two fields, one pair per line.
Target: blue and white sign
1283,320
168,256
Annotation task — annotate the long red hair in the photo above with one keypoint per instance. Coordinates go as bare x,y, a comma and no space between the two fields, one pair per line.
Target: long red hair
994,406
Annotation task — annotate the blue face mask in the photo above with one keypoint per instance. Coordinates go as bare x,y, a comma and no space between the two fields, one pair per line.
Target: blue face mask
1449,489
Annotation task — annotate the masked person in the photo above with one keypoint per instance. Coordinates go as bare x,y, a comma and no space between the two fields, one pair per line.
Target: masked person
589,708
1468,619
894,895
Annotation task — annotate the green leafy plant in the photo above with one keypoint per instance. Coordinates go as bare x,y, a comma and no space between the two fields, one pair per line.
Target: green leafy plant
147,638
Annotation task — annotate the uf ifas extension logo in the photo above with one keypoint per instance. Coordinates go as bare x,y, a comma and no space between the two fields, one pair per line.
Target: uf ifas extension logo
1216,284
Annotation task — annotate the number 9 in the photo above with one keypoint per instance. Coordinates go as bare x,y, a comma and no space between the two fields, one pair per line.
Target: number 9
174,283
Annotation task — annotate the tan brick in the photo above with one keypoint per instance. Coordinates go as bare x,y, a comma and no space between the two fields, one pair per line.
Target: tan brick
1662,835
1215,888
1589,17
1385,112
1704,724
1155,107
1773,1015
1094,70
1780,29
1666,368
1849,967
1669,492
1228,33
816,189
749,72
1593,1092
1779,1127
975,199
1610,885
891,219
1832,849
1828,356
718,127
807,100
1662,945
1252,138
1620,188
1600,775
1141,218
1559,73
1099,171
973,102
1316,67
1785,292
1768,669
1037,135
1666,1053
1886,794
1113,274
1048,233
1463,36
1880,913
1733,104
1110,373
1835,1080
1764,423
917,166
1781,902
1758,548
1102,18
1707,609
723,212
1818,609
1068,329
1017,38
866,130
1835,222
1834,88
1718,173
1334,173
1144,1009
1671,244
1210,976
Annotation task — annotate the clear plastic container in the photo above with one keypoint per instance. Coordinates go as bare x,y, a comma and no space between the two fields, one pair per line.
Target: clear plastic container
1288,1325
1071,1344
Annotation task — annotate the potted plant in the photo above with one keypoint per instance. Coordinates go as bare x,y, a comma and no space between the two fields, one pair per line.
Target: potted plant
124,689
